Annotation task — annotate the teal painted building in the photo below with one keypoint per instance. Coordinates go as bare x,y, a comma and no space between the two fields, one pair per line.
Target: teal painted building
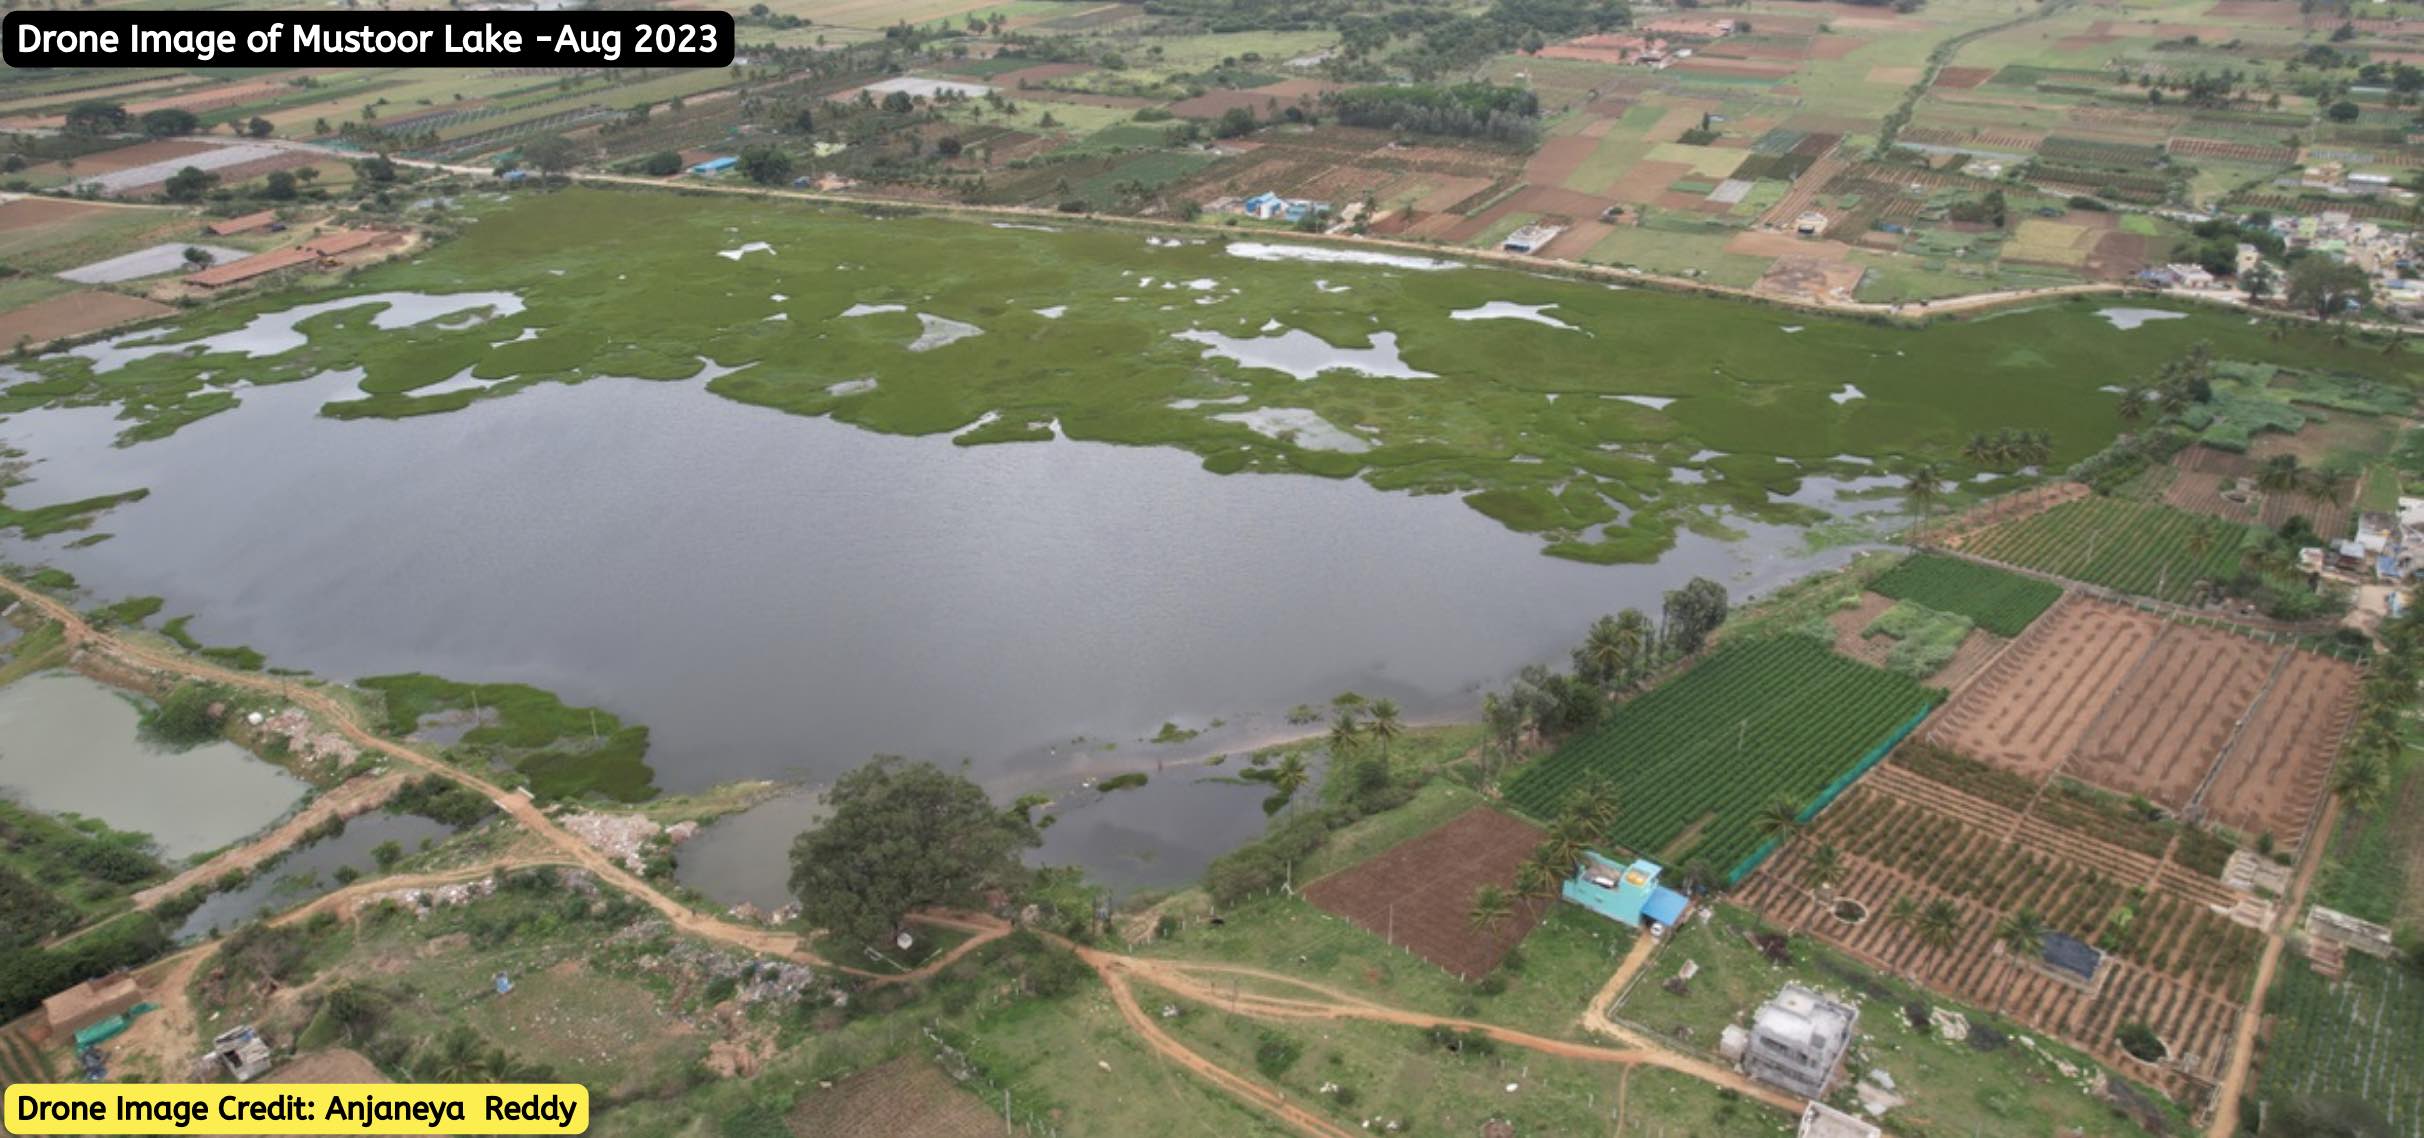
1627,894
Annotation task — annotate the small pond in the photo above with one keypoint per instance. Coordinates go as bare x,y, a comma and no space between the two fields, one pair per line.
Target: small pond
70,744
309,871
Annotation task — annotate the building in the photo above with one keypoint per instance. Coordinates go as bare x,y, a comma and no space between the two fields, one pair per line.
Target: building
1692,27
1272,207
2189,276
92,1002
1810,224
2249,258
2071,960
714,166
321,250
1819,1120
1797,1041
1627,894
1531,238
242,1052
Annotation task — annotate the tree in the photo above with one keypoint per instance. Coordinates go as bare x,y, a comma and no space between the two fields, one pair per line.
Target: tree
189,184
2258,282
1386,724
259,127
1821,869
1490,908
2022,933
199,257
1779,820
1236,122
2344,111
903,836
376,168
1923,485
2132,405
1939,924
96,116
1503,723
551,154
1286,779
2326,287
353,1009
1535,881
2361,782
2325,1116
662,164
1346,733
279,186
170,121
766,165
1596,807
1692,613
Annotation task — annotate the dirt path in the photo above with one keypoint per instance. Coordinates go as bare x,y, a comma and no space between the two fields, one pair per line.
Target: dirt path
1635,959
2251,1017
80,634
353,797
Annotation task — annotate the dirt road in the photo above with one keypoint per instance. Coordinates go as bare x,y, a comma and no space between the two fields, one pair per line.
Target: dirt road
2251,1018
351,798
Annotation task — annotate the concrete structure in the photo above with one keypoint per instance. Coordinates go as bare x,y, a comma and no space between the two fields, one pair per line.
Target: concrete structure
242,1052
1627,894
1531,238
1819,1120
2349,932
1798,1040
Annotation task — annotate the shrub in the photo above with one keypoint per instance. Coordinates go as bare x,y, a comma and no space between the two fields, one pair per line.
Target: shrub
1275,1053
183,718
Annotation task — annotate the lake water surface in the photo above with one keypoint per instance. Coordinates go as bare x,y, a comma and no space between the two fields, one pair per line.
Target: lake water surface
69,744
779,596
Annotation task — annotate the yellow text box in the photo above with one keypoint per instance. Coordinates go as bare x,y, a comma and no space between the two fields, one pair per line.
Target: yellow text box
297,1108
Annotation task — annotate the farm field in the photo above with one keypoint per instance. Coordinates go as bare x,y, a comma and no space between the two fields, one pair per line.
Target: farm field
1983,1083
2027,712
2358,1036
2132,547
1418,893
1782,718
2000,602
906,1097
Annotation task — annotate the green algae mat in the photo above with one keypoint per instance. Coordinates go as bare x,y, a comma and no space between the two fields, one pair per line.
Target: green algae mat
1600,418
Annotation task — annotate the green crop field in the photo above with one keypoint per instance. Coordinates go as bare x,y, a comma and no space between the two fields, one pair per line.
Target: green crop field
2362,1036
2131,546
1756,722
2000,602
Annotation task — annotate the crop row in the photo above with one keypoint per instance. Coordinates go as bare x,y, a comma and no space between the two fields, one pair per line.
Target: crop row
2134,547
1999,601
2361,1036
1760,721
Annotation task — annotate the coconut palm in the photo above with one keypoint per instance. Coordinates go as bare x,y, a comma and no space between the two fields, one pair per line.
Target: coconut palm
2280,472
2022,933
456,1057
2361,782
1385,724
1490,908
1562,848
1939,924
1780,819
1596,806
1904,912
2133,404
1288,777
1346,733
1979,449
1535,881
1923,485
1634,632
1821,869
2327,482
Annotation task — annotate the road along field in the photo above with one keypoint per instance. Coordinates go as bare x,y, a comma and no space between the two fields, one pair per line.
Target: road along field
1419,894
1694,759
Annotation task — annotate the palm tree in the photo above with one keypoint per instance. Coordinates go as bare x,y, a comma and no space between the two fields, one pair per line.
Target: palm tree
1904,912
1939,924
1385,724
1490,908
1780,819
1821,869
1289,777
1923,485
1535,881
1596,806
1562,848
1979,449
1345,734
456,1057
1633,631
2361,782
2023,933
2327,482
2280,472
2133,404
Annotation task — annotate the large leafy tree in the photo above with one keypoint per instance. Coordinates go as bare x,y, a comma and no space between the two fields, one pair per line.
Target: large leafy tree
902,836
1692,612
2325,286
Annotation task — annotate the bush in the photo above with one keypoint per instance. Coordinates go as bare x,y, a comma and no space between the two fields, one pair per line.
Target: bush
183,718
442,800
1275,1053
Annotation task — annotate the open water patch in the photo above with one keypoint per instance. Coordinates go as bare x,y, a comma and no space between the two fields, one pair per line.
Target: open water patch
2128,318
311,870
273,333
940,332
1508,310
1305,355
1297,425
745,250
1326,255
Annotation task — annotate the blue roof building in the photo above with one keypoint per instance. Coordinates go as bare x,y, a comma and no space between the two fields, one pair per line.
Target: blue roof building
715,165
1626,894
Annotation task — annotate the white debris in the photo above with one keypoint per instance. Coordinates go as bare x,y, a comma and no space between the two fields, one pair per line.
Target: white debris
618,836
